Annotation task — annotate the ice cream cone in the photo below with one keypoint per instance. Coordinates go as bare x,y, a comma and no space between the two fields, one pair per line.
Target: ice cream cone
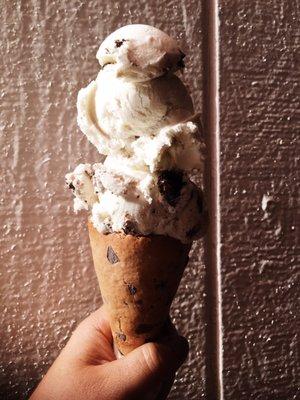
138,278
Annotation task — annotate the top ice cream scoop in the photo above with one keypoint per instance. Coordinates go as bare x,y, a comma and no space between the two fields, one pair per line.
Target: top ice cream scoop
140,53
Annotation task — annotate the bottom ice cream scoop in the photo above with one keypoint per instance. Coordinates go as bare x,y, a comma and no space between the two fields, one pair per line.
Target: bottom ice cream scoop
141,204
149,190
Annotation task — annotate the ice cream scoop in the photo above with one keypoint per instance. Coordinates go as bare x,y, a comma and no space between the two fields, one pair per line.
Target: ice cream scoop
113,112
140,53
138,203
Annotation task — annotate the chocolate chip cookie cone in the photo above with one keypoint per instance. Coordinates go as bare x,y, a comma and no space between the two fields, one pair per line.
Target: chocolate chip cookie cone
138,278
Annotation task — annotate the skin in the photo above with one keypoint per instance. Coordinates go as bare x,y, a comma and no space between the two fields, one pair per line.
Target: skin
87,368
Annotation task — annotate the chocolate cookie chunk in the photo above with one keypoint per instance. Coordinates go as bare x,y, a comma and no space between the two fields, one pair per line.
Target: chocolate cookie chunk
112,256
119,43
121,336
170,183
129,228
132,289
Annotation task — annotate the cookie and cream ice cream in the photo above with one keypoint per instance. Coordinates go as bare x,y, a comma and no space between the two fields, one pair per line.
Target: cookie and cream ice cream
140,116
144,210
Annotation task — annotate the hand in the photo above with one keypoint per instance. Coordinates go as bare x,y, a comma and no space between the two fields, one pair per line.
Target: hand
87,368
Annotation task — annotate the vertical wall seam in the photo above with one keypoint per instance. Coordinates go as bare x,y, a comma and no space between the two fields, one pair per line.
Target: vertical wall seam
214,356
217,185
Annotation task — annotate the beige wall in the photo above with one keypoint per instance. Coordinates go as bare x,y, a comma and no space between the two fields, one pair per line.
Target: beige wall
47,279
259,41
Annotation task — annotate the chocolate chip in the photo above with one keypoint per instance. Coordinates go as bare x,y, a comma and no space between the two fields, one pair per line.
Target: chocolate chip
132,289
170,183
129,228
143,328
89,174
121,336
71,186
139,302
111,255
108,226
119,43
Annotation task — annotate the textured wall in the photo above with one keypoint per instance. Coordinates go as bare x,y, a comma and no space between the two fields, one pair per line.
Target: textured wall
46,277
259,176
47,280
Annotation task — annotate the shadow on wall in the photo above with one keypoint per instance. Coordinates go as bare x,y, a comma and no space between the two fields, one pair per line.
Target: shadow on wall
14,386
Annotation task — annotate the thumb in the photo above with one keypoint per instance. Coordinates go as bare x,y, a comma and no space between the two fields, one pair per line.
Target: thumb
143,371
